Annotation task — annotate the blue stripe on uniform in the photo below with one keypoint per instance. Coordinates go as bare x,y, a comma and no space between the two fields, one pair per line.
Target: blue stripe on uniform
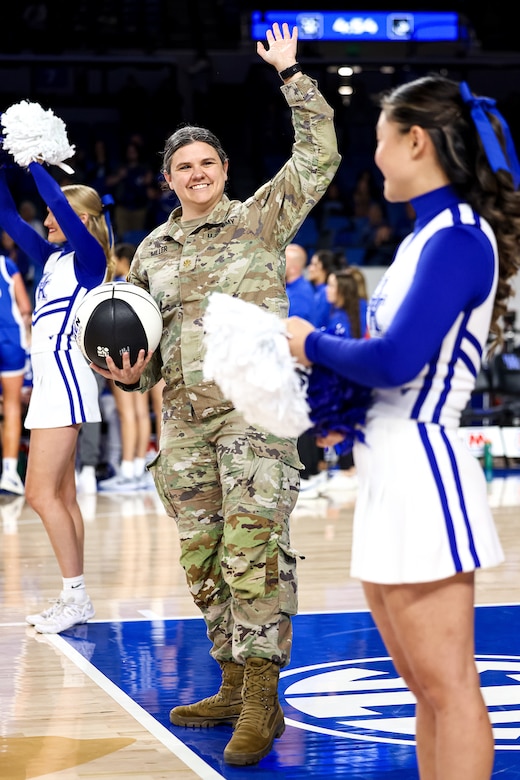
427,385
73,401
464,511
451,370
465,357
442,495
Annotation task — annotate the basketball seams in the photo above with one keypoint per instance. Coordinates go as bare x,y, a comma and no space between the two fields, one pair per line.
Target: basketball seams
102,329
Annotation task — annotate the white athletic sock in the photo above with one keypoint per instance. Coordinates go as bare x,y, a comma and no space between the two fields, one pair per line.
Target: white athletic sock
139,464
127,469
74,588
9,465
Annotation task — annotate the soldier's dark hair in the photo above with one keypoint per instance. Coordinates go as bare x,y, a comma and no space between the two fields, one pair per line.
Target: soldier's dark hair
435,104
188,134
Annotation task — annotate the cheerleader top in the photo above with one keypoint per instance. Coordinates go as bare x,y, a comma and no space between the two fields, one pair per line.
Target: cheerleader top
428,319
69,270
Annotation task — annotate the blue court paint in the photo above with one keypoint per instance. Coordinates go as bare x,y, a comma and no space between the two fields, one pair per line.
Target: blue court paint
348,714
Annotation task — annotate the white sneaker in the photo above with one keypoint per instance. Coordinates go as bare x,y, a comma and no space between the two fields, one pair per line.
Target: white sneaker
37,617
310,488
146,481
10,512
11,483
64,615
119,484
86,482
339,483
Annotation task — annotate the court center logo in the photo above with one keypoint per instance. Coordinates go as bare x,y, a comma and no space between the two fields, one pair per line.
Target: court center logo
365,699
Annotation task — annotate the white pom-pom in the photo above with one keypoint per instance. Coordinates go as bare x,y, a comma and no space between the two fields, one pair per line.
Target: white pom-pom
248,356
33,134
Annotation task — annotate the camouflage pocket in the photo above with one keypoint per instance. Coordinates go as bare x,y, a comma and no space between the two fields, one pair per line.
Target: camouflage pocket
155,468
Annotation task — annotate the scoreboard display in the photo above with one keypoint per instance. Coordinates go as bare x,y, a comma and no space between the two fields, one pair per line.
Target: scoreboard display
363,25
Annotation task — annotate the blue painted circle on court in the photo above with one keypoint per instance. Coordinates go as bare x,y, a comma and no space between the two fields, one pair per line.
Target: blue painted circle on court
365,699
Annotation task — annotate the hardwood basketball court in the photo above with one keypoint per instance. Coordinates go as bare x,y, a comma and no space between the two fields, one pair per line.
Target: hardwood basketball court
93,702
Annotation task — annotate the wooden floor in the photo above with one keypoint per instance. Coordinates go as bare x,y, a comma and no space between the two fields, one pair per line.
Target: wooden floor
59,718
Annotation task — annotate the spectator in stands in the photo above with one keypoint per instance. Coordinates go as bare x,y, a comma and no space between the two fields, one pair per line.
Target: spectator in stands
135,423
343,295
378,237
300,290
359,276
300,293
99,167
333,205
29,213
9,248
364,194
89,450
322,263
129,185
161,203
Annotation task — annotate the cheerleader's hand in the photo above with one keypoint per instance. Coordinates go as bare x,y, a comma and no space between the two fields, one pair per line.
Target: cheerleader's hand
297,330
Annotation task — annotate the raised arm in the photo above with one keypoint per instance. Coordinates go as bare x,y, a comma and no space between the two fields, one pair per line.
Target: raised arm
90,257
290,195
36,247
281,53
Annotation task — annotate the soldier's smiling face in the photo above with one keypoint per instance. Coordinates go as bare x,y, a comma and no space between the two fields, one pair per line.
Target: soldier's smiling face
198,176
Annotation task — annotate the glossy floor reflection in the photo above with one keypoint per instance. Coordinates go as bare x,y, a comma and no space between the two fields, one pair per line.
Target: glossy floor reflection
93,704
347,712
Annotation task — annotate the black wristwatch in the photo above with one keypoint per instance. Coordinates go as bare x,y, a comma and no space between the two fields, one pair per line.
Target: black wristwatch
290,71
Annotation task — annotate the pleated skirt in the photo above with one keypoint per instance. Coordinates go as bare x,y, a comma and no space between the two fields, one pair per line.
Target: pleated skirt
65,391
422,512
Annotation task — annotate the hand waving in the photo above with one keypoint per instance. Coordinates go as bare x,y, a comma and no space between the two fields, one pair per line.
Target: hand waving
282,47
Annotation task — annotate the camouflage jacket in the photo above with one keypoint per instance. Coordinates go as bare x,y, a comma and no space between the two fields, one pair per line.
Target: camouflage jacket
238,249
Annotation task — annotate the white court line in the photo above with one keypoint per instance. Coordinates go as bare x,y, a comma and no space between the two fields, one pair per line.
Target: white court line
149,614
147,721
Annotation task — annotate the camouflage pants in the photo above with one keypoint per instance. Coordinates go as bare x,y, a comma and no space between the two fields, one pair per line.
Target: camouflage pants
231,490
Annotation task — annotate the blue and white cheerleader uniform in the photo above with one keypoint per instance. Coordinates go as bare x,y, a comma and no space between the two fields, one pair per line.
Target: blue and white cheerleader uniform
65,390
422,512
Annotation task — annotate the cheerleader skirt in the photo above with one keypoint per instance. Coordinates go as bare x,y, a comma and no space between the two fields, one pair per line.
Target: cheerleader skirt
422,512
64,391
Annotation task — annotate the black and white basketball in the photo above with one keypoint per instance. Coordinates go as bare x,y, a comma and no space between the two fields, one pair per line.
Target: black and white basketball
114,318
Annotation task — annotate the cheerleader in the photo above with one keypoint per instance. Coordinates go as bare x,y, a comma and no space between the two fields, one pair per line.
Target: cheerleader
422,522
76,256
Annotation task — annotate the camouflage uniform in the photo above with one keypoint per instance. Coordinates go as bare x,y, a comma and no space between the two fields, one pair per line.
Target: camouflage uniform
231,487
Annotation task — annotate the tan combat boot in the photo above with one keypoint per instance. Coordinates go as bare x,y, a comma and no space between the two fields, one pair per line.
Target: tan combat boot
261,719
223,707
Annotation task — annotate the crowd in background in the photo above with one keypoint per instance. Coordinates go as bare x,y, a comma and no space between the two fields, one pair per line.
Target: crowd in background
352,218
352,226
